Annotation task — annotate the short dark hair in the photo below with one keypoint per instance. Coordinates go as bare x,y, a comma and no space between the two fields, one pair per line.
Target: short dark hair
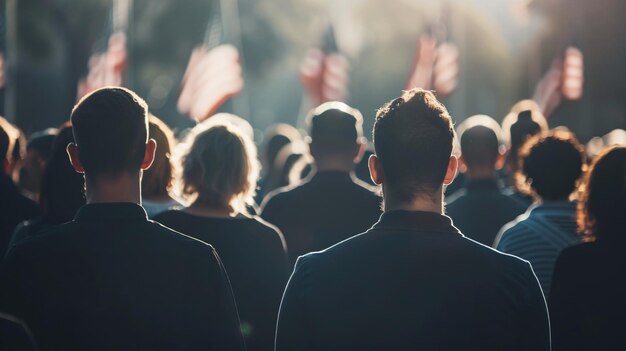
413,138
335,127
551,163
5,144
480,140
111,130
602,205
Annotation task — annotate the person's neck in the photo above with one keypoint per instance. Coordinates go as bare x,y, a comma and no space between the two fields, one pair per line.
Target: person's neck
160,198
424,203
125,187
203,209
481,174
333,165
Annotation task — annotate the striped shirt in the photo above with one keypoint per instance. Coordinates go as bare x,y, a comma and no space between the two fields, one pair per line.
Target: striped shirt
539,235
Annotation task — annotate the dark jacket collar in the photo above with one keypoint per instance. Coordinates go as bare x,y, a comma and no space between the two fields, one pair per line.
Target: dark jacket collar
331,176
121,211
429,222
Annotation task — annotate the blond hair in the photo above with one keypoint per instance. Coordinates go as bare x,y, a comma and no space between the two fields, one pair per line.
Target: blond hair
219,166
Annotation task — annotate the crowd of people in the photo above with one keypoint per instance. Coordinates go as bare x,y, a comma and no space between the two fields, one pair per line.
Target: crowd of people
117,235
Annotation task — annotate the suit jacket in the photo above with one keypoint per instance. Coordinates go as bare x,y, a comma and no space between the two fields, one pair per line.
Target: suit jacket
412,282
327,208
113,280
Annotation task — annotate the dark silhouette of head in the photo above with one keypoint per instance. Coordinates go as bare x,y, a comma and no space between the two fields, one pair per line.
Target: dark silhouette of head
336,130
110,130
157,179
413,137
480,141
602,205
38,151
551,164
275,139
527,124
62,189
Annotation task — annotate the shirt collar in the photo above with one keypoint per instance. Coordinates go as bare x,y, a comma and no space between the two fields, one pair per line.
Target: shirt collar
124,211
421,221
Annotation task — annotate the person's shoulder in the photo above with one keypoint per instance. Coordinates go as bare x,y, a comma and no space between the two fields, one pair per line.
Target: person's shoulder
355,247
495,256
282,196
513,229
47,238
168,215
268,232
263,226
166,233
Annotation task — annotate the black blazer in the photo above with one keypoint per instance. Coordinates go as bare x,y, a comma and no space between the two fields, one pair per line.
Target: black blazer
325,209
113,280
412,282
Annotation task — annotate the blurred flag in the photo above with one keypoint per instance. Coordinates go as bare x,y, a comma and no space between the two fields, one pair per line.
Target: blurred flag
105,68
564,80
573,74
324,72
436,67
212,77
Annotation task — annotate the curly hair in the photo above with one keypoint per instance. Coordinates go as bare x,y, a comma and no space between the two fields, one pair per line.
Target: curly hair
550,165
602,205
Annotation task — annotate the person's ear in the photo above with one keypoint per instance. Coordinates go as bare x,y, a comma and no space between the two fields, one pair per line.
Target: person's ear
376,171
500,161
462,165
148,156
453,165
72,153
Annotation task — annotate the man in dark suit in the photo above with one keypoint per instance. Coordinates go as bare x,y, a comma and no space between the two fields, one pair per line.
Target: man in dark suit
480,209
413,281
111,279
331,205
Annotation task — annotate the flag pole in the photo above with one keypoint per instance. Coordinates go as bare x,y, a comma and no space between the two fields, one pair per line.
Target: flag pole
11,56
231,26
